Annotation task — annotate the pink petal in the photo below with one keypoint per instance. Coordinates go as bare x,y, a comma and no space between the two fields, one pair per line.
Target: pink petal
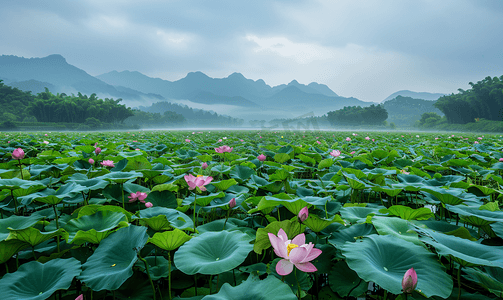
297,255
192,185
208,180
278,245
312,255
284,267
299,239
282,235
306,267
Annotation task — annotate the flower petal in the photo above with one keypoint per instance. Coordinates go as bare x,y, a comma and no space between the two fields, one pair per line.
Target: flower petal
306,267
312,255
297,255
282,235
284,267
299,239
278,245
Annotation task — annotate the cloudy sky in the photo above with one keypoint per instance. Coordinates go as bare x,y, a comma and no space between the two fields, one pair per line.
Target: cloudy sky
364,49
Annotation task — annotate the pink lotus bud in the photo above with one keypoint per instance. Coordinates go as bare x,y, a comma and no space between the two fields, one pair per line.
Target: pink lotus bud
46,134
241,140
187,140
475,142
46,142
367,138
352,152
204,165
91,161
80,297
409,281
318,142
148,204
18,154
348,139
303,214
335,153
232,203
97,150
261,157
501,159
373,140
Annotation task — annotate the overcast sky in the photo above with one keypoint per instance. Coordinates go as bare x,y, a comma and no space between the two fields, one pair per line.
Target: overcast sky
364,49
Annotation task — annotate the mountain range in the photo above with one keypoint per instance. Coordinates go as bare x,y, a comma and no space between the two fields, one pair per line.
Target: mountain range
234,95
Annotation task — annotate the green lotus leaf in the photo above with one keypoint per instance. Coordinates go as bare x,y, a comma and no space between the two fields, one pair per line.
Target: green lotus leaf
220,169
270,288
396,227
159,267
112,262
224,184
176,218
317,224
453,196
53,197
17,223
388,190
385,259
498,229
33,236
475,216
351,234
94,228
358,214
16,183
136,287
138,162
281,157
223,203
162,199
491,279
9,248
169,240
93,208
157,223
408,213
241,173
356,183
203,200
291,227
463,251
37,281
92,184
213,252
121,164
343,281
120,177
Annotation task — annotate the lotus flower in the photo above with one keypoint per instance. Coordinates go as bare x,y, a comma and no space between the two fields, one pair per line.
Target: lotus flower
199,181
261,157
367,138
148,205
108,163
303,214
187,140
318,142
46,142
223,149
18,154
80,297
137,196
97,150
294,253
348,139
232,203
501,159
409,281
204,165
335,153
91,161
352,152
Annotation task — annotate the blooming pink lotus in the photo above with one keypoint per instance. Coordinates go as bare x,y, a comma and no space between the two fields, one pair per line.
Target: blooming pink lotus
261,157
199,181
137,196
294,253
409,281
367,138
348,139
18,154
187,140
335,153
223,149
318,142
46,142
303,214
108,163
352,152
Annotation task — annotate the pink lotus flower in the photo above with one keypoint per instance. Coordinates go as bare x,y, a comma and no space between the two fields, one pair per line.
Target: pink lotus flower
479,138
352,152
204,165
241,140
348,139
232,203
335,153
148,204
137,196
108,163
475,142
91,161
80,297
18,154
501,159
367,138
261,157
219,140
199,181
373,140
97,150
294,253
409,281
187,140
303,214
46,134
46,142
318,142
223,149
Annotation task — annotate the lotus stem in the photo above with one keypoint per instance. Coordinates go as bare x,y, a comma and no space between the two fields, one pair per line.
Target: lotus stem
169,275
15,201
20,169
218,277
195,221
298,284
195,283
148,273
122,190
459,282
57,225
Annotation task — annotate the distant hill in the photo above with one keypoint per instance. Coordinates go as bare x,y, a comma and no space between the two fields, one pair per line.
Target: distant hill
33,86
406,111
414,95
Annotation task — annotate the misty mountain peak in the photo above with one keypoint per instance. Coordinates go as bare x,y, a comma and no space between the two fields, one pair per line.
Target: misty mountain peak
236,75
196,75
55,58
294,82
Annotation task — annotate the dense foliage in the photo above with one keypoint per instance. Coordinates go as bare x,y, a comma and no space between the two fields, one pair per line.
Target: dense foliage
356,115
483,100
406,110
14,103
200,215
148,119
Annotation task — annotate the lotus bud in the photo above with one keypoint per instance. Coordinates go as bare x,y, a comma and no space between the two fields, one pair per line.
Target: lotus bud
18,154
97,150
232,203
303,214
148,205
204,165
261,157
409,281
91,161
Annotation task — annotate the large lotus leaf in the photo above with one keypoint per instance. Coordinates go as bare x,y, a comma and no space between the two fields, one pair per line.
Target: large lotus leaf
93,208
93,228
91,184
385,259
9,248
292,204
343,280
223,203
136,287
358,214
37,281
444,180
33,236
213,252
202,200
52,197
498,229
354,182
408,213
270,288
351,234
16,223
138,162
112,262
396,227
389,191
159,267
224,184
162,199
177,219
464,251
16,183
453,196
241,173
492,279
475,216
291,227
317,224
120,177
169,240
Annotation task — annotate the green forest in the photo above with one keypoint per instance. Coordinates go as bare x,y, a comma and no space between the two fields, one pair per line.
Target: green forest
356,115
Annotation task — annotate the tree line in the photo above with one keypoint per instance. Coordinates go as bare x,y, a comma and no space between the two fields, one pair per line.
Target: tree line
356,115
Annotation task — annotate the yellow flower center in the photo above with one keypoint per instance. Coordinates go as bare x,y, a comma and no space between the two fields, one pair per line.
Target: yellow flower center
200,175
290,247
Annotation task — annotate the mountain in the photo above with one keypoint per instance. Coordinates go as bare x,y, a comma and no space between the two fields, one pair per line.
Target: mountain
60,76
414,95
406,110
34,86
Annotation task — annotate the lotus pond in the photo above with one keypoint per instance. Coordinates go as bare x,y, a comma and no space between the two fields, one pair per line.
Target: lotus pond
251,215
